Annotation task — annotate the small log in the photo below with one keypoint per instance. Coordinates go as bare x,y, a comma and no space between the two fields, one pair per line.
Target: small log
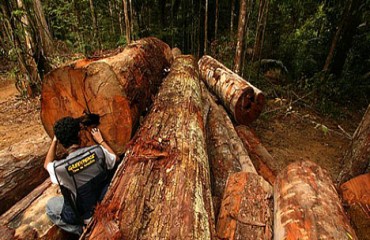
357,158
118,88
20,169
356,197
162,189
264,163
246,208
307,206
27,219
226,152
244,101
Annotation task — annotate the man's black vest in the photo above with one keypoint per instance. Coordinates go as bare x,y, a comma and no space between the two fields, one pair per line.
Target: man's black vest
83,180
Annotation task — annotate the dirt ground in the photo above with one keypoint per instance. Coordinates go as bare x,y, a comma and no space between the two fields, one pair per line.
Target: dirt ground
288,132
19,119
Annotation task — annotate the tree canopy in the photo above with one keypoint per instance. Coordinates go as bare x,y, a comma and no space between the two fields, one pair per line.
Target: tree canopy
317,46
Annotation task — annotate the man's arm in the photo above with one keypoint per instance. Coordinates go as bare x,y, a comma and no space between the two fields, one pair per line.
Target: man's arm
95,132
50,156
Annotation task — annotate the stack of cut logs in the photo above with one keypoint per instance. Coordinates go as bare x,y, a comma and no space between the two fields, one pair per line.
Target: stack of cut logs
188,172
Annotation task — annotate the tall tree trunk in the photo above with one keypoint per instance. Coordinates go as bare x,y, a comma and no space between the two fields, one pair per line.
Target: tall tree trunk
46,38
240,37
95,23
28,83
127,22
206,28
118,88
216,19
307,206
111,17
337,35
120,15
357,157
162,190
260,29
80,34
250,7
26,26
244,101
347,36
131,19
232,19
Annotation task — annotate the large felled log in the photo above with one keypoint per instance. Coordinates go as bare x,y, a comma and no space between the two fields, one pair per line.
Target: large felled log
356,196
246,208
162,191
242,99
307,206
264,163
27,218
20,169
225,150
118,88
357,158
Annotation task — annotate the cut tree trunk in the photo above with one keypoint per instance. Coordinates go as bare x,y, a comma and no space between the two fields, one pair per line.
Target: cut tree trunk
264,163
307,206
118,88
27,219
20,169
357,157
242,99
226,152
356,196
246,208
162,190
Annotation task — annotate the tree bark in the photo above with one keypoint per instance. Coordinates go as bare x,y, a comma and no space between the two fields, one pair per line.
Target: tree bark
260,29
241,99
110,6
355,195
246,208
307,206
131,18
42,26
95,23
357,157
25,25
162,190
264,163
127,22
232,19
118,88
337,35
27,218
29,80
206,28
20,168
226,152
240,36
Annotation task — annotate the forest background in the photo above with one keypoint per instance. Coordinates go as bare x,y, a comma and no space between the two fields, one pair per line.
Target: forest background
316,51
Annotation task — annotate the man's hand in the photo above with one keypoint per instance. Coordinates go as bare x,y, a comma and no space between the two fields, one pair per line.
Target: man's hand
95,132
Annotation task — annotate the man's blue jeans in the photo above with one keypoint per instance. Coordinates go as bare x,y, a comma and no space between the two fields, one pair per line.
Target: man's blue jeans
54,209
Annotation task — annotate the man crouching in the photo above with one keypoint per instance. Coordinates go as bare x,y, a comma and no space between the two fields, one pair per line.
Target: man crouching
82,175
